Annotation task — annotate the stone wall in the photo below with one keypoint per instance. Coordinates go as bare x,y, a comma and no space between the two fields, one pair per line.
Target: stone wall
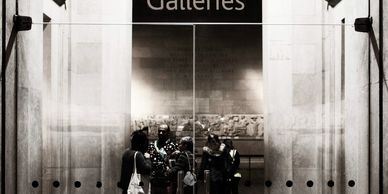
374,103
29,100
72,98
319,111
55,142
97,117
375,96
162,70
10,98
228,70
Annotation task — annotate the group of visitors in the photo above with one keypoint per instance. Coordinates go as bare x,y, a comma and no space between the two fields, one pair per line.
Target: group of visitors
160,161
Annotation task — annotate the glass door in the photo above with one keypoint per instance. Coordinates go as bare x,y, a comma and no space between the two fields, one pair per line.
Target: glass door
162,99
229,105
270,107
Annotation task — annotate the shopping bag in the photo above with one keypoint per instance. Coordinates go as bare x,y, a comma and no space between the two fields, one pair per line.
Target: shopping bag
134,185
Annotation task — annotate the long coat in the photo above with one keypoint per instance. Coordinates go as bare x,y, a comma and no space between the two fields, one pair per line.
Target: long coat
143,167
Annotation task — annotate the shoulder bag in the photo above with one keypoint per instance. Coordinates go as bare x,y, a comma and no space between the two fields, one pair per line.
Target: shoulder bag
190,179
134,185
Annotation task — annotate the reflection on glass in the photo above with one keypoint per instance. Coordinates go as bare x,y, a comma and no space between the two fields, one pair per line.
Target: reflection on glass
104,82
162,99
162,80
85,105
229,106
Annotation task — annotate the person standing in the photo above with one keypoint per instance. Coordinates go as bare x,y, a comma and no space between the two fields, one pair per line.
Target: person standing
161,151
139,145
213,159
183,163
232,165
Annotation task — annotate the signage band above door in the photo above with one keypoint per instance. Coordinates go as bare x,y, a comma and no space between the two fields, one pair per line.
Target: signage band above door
197,11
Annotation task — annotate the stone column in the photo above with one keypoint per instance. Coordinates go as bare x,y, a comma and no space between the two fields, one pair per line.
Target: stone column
10,80
316,97
374,139
29,100
385,93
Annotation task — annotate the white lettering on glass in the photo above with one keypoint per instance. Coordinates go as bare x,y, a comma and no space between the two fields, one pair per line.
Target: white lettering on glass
196,5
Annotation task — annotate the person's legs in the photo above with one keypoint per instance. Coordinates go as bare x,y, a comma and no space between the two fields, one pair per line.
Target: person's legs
234,185
228,186
187,189
160,188
174,188
213,187
217,187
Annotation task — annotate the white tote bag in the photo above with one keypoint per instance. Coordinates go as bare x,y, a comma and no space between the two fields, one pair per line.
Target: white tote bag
134,185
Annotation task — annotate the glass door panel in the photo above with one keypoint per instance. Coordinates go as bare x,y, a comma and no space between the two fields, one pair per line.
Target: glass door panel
162,74
162,96
106,82
312,141
86,107
229,101
292,99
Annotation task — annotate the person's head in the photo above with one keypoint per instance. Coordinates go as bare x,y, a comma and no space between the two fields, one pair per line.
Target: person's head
213,142
139,141
145,130
228,143
186,144
163,132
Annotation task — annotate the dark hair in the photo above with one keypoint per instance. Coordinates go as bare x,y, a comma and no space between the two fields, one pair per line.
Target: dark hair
212,138
228,143
145,130
188,141
139,141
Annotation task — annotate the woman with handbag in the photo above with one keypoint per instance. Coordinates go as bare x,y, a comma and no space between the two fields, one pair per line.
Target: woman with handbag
134,163
184,162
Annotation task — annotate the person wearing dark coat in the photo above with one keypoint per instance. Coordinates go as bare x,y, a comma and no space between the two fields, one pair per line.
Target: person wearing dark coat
232,165
161,154
214,159
183,163
139,144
